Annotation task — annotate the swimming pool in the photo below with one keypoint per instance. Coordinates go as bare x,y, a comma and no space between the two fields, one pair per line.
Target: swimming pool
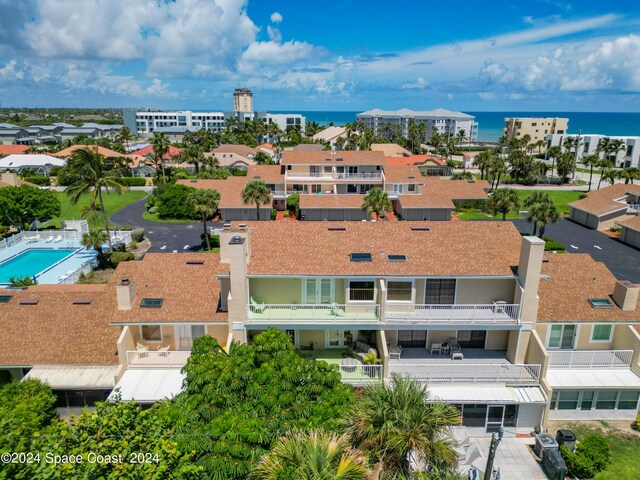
32,262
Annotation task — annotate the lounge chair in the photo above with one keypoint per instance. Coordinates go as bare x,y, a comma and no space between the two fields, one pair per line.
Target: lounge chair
142,351
58,239
456,350
164,351
49,239
436,348
257,307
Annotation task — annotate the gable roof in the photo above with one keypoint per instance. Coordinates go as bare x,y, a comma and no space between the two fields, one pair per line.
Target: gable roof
106,152
632,223
148,150
230,190
331,201
13,149
439,193
414,160
603,201
242,150
265,173
402,174
324,157
329,133
390,149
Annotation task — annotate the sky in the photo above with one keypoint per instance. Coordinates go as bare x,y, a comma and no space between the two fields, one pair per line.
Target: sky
519,55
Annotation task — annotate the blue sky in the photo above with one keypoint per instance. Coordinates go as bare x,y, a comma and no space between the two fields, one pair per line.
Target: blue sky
529,55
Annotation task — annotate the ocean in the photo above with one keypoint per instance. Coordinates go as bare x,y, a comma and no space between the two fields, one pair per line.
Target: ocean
492,123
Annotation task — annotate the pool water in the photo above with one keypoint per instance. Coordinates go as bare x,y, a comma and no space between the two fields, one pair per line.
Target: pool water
31,262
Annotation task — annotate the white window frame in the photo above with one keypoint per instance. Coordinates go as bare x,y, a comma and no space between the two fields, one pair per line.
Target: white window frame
593,330
341,343
318,281
375,290
576,336
151,341
404,280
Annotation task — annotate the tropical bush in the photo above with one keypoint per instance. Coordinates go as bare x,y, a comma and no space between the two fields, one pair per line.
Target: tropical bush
41,180
137,235
550,244
636,423
589,458
22,281
116,257
274,214
171,202
133,181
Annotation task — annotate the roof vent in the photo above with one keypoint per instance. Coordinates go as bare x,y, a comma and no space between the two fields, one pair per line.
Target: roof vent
360,257
29,301
195,262
600,303
85,301
236,240
125,281
420,229
5,298
327,159
337,229
256,176
471,181
397,258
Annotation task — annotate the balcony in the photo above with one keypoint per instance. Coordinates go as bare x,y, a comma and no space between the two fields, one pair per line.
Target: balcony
155,359
357,374
321,176
285,194
312,314
590,358
468,372
494,314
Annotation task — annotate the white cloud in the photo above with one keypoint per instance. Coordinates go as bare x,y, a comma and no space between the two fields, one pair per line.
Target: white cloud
420,84
276,17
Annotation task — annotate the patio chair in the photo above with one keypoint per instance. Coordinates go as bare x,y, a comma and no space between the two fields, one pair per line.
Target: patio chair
257,307
456,350
337,311
164,351
49,239
142,350
436,347
58,239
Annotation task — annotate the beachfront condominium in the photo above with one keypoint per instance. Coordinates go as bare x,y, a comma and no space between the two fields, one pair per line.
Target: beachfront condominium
621,151
536,127
243,100
445,122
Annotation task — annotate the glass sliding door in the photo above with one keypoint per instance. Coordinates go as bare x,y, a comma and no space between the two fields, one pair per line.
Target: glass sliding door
318,291
412,338
495,414
440,291
187,334
562,336
340,338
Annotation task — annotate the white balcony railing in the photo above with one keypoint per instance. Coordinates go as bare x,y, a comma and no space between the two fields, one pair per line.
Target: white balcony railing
334,176
590,358
361,294
333,313
154,359
496,313
633,208
283,193
466,372
361,374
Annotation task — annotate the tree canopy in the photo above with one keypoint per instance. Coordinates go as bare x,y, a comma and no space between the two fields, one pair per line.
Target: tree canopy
21,206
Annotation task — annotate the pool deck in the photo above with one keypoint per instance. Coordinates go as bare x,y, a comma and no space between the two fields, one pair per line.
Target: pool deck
60,272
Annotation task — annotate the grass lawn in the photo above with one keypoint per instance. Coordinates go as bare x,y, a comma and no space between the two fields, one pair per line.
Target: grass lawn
625,451
560,197
112,202
152,217
478,215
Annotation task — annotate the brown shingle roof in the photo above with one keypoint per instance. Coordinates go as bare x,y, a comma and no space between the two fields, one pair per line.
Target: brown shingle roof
298,157
267,173
572,280
55,331
438,193
230,190
191,293
331,201
390,149
601,202
447,248
633,223
13,149
402,174
242,150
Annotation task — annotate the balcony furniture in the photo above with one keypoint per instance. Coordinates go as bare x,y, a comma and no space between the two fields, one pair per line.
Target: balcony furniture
164,351
395,352
349,365
499,306
456,350
58,239
256,307
338,312
361,349
142,350
444,350
436,347
49,239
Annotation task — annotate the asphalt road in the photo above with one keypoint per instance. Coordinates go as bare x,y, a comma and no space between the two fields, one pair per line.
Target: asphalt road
164,237
621,259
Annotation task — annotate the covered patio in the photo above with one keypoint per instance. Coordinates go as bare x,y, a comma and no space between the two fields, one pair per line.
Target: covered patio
470,355
352,369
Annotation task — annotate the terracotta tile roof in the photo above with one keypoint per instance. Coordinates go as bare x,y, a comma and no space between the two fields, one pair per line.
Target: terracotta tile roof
107,153
267,173
390,149
55,331
331,201
230,190
439,193
601,202
633,223
310,248
13,149
266,145
148,150
300,157
191,292
572,280
414,160
402,174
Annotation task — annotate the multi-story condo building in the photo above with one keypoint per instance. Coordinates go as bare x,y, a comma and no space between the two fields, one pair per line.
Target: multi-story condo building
627,156
443,121
472,309
536,127
243,100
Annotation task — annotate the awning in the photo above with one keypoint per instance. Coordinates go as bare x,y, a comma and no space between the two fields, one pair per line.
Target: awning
486,393
592,378
70,377
146,385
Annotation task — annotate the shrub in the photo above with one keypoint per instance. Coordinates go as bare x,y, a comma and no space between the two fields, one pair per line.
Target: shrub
172,203
126,227
22,281
137,235
274,214
41,180
550,244
636,424
238,172
133,181
133,245
286,214
5,377
615,229
590,457
582,195
214,241
116,257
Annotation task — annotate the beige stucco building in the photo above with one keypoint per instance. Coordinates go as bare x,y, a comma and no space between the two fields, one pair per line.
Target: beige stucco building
536,127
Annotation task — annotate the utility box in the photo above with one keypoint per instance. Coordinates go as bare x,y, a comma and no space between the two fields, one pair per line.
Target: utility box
544,441
554,465
566,438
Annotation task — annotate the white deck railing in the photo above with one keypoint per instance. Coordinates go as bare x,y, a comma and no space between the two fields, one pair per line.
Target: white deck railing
633,208
335,176
153,359
590,358
361,374
282,193
331,313
463,314
466,372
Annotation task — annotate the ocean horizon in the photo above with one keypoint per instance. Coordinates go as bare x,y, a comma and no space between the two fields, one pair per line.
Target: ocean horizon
491,124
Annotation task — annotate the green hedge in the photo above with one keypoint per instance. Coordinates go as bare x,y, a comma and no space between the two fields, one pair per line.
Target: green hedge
133,181
116,257
550,244
137,235
171,202
590,457
40,180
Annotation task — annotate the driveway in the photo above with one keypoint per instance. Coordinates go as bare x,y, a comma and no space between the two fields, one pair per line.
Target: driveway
621,259
164,237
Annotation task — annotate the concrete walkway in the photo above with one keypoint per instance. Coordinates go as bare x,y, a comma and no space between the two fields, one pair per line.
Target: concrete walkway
514,458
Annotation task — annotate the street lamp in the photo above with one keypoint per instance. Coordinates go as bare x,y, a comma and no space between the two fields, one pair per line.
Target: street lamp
495,441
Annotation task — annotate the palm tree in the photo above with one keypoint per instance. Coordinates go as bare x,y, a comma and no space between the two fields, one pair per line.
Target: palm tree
194,155
311,128
630,174
498,168
204,202
435,140
543,213
483,161
590,161
397,423
87,171
256,192
566,166
461,137
616,146
539,144
609,174
604,166
95,238
312,456
554,153
124,136
538,197
504,200
377,201
160,144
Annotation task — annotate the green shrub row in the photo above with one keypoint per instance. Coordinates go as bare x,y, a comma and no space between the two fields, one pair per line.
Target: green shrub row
590,457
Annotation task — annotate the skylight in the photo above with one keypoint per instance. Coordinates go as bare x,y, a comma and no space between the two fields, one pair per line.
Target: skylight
360,257
397,258
600,303
5,298
151,302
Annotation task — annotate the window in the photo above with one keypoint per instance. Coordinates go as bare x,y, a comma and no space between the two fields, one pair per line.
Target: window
561,336
397,258
568,400
361,291
292,336
606,400
587,400
151,302
474,415
601,333
600,303
399,291
412,187
440,291
360,257
151,333
628,400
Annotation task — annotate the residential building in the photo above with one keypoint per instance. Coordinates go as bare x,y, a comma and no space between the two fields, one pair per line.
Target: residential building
243,100
443,121
628,156
604,207
429,165
39,163
390,149
330,135
630,233
285,120
176,134
234,156
15,135
538,128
